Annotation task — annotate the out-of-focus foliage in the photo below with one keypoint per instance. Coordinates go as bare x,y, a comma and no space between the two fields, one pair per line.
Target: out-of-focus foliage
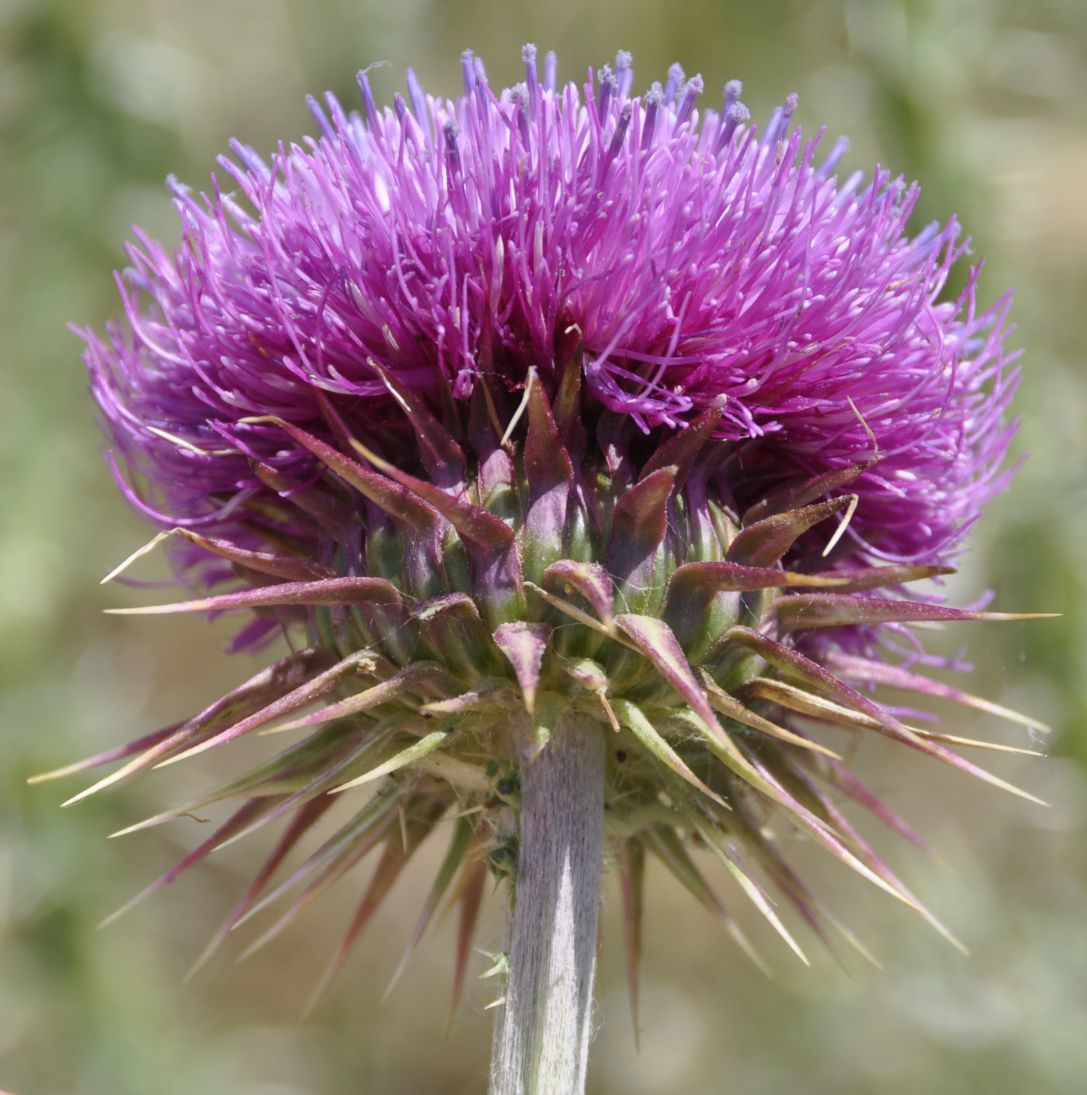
984,101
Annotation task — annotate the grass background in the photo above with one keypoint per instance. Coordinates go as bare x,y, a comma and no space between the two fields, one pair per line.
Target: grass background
984,101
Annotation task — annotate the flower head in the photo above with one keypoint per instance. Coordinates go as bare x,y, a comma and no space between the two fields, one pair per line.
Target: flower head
550,399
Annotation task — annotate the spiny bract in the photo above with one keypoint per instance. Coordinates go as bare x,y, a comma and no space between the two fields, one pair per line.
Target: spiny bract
543,400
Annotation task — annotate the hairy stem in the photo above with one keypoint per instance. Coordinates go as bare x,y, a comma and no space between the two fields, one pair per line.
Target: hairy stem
541,1041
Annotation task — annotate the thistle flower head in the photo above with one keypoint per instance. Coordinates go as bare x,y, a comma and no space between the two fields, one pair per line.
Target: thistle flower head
555,398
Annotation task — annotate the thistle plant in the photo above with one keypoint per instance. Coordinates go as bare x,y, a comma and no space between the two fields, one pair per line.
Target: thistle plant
585,448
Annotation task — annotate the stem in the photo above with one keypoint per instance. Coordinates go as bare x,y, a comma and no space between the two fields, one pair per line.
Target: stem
541,1040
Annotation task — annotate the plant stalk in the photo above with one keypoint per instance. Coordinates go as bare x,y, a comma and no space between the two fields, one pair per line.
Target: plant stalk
541,1040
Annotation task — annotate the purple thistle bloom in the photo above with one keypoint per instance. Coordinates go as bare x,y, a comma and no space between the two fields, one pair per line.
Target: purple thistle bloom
454,243
551,405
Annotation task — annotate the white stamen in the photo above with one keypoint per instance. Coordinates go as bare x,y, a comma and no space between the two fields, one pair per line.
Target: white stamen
521,408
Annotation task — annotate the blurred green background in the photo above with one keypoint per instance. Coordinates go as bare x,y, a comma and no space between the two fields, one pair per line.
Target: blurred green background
984,101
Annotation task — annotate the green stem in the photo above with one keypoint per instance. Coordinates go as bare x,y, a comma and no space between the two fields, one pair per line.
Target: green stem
541,1041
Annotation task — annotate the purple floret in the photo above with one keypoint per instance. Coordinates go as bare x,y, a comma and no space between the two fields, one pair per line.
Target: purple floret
453,242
